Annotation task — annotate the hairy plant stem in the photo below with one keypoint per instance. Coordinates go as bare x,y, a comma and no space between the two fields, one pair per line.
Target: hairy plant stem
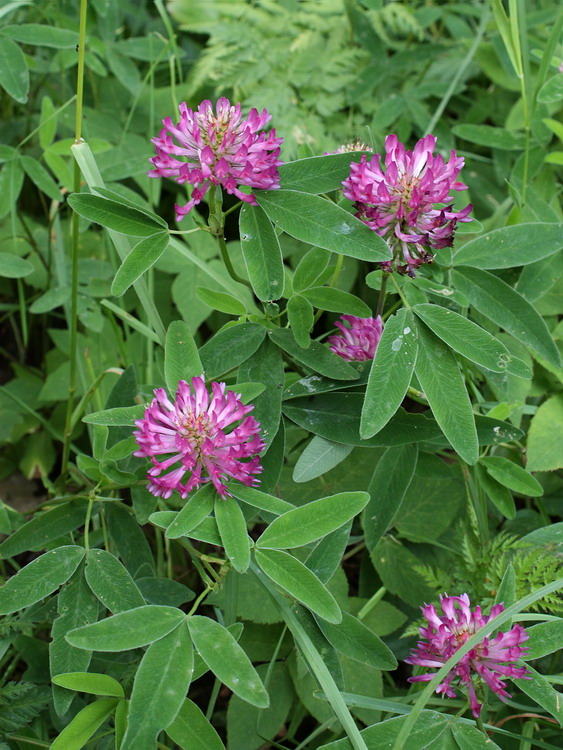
216,223
73,353
382,291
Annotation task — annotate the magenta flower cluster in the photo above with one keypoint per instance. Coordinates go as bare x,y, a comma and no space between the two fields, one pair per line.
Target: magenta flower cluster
218,148
193,436
400,202
358,340
492,659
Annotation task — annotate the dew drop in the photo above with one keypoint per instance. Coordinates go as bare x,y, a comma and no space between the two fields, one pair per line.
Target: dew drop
397,344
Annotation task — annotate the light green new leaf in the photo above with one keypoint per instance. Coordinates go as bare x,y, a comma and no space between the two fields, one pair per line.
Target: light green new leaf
120,416
39,578
310,267
512,476
261,252
42,35
319,457
76,734
444,387
544,638
391,372
93,683
312,521
181,358
191,730
14,73
221,301
234,535
356,641
259,499
142,257
545,437
540,690
299,582
504,306
335,300
113,215
198,507
469,339
127,630
227,660
111,582
319,222
160,687
517,245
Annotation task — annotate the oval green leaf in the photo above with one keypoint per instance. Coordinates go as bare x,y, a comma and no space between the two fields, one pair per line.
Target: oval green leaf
259,499
335,300
221,301
318,356
142,257
319,457
39,578
14,267
227,660
318,174
44,528
234,535
127,630
301,318
111,582
93,683
181,357
262,253
312,521
113,215
198,507
191,730
356,641
512,476
76,734
230,347
517,245
299,582
319,222
14,73
444,387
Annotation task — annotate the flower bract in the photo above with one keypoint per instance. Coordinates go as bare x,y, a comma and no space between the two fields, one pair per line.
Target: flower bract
193,441
217,147
491,660
408,203
358,340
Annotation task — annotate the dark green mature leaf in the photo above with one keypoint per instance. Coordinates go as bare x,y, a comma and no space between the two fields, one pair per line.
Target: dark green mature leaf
43,528
142,257
545,437
443,385
310,267
40,177
387,489
230,347
11,181
14,73
198,506
318,356
191,730
544,638
429,726
540,690
500,303
318,174
299,582
317,221
41,35
259,499
226,659
130,542
319,457
111,582
160,687
486,135
301,317
127,630
262,253
335,300
312,521
76,606
470,340
39,578
338,419
113,215
391,372
353,639
14,267
469,737
76,734
516,245
234,535
325,559
181,358
497,493
512,476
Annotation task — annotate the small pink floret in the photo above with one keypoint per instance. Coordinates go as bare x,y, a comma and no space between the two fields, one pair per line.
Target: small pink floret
218,148
191,438
409,203
358,341
446,633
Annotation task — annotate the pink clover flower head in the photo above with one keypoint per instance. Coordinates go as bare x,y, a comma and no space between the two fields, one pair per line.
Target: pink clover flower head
399,203
489,661
358,341
217,147
194,436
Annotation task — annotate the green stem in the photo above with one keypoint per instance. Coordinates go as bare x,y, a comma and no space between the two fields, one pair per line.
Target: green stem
87,523
198,601
73,353
337,269
370,604
381,300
